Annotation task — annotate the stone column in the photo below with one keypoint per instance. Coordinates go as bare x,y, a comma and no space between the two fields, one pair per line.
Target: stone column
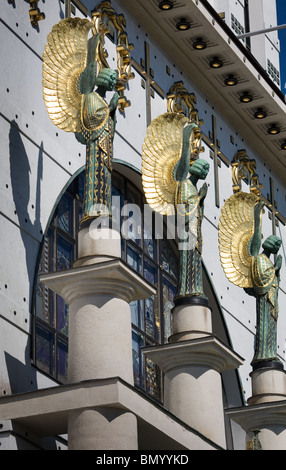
268,387
264,419
192,363
98,290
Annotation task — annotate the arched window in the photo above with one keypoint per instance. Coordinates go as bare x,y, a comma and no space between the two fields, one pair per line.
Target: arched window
155,259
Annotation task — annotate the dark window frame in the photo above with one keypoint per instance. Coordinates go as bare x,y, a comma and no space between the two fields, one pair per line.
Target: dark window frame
148,383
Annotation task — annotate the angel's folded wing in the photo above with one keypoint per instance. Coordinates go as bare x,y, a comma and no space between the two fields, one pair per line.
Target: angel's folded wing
236,228
64,59
161,151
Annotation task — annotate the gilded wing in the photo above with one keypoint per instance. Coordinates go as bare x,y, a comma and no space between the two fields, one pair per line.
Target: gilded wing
64,59
161,150
236,228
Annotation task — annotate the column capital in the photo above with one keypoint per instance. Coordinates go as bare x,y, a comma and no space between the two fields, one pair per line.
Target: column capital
112,278
259,416
207,352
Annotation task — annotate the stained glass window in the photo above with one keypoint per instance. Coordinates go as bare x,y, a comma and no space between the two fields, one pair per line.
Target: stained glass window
154,259
44,346
65,214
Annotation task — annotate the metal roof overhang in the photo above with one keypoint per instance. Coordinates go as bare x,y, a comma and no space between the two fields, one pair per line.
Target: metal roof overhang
221,43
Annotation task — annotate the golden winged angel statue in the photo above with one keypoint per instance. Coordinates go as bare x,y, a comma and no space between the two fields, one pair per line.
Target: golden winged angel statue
239,246
171,169
76,78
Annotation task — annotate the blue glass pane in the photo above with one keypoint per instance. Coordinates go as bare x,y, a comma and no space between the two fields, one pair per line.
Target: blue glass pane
152,378
62,360
149,240
150,247
117,202
81,182
137,344
134,259
117,186
169,292
150,273
65,214
47,263
133,224
122,249
80,211
44,300
62,316
133,195
45,350
136,308
152,322
65,253
169,259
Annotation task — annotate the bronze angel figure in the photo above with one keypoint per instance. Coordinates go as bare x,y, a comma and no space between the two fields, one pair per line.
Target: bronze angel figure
244,266
171,169
76,78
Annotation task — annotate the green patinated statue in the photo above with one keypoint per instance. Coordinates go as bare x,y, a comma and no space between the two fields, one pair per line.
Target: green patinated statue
73,66
265,278
189,203
97,133
171,169
244,266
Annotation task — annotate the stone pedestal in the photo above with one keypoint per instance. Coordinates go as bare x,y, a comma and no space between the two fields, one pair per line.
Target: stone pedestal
98,290
190,322
268,386
192,382
192,364
264,420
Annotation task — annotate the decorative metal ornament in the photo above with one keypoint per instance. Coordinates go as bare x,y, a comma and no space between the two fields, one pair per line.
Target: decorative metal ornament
245,169
65,57
179,100
35,14
104,17
163,146
64,60
236,226
161,151
243,265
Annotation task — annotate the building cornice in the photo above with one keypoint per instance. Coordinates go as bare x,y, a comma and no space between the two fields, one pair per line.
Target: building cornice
221,42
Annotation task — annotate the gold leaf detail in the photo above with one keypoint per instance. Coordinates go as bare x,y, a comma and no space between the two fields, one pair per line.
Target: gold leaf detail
64,59
236,228
161,151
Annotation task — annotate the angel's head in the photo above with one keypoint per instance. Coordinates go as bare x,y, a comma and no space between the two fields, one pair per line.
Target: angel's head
107,79
200,168
272,244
